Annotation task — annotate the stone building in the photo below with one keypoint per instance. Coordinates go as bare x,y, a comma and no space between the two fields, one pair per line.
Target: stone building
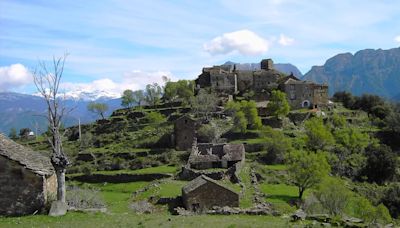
226,79
185,132
305,94
27,179
203,193
208,155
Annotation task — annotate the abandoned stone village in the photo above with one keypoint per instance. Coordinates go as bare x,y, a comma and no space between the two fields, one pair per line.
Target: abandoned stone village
28,183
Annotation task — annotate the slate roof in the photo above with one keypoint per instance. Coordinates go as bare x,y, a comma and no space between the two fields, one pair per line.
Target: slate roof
199,181
28,158
233,152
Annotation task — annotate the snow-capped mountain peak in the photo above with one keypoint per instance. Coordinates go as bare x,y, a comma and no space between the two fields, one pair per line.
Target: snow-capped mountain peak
90,96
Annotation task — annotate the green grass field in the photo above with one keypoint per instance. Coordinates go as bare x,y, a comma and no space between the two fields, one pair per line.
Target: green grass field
130,219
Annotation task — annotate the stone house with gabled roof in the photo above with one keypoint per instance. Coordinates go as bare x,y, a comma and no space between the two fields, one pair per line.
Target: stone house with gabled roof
203,193
27,179
304,94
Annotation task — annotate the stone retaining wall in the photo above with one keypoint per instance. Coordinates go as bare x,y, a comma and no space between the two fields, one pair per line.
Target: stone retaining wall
120,178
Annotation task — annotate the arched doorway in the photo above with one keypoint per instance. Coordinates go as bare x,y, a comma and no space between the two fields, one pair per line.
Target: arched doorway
305,104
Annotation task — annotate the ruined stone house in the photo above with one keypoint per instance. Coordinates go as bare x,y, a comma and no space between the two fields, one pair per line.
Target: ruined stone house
185,132
209,155
27,179
203,193
226,79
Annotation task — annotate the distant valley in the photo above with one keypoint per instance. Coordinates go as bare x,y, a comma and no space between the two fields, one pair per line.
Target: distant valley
27,111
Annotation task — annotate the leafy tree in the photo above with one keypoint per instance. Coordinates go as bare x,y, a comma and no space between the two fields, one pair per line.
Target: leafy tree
352,139
138,97
232,107
155,118
307,169
204,103
278,104
249,108
338,121
392,120
345,98
24,132
240,122
98,108
183,89
318,136
367,102
153,94
127,99
212,131
171,91
381,163
348,163
380,111
277,145
13,133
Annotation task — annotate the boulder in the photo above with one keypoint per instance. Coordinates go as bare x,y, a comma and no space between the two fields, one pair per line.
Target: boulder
58,208
299,215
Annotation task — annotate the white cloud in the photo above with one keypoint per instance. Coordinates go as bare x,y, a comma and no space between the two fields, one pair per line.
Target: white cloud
243,41
397,39
133,80
285,40
15,75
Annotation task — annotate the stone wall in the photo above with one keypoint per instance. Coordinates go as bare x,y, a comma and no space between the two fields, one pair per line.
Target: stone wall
120,178
22,191
50,187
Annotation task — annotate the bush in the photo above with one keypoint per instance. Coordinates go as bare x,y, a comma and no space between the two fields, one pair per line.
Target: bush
277,145
84,198
392,199
362,208
333,196
154,118
381,163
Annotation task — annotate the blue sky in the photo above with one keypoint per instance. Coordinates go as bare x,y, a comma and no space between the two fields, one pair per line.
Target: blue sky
115,44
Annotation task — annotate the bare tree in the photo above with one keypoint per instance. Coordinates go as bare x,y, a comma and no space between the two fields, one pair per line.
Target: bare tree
47,79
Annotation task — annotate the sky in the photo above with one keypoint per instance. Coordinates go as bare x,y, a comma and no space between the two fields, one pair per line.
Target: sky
114,45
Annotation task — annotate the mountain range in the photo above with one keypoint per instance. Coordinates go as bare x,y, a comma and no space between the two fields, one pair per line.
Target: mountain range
367,71
28,111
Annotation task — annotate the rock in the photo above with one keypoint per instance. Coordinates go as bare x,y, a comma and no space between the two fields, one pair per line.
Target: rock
182,211
142,207
319,217
352,220
58,208
299,215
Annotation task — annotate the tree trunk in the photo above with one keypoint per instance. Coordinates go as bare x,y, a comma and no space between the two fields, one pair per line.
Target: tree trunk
60,172
301,191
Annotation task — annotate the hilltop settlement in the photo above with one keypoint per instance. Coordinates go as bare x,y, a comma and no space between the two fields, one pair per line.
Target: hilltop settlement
231,142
